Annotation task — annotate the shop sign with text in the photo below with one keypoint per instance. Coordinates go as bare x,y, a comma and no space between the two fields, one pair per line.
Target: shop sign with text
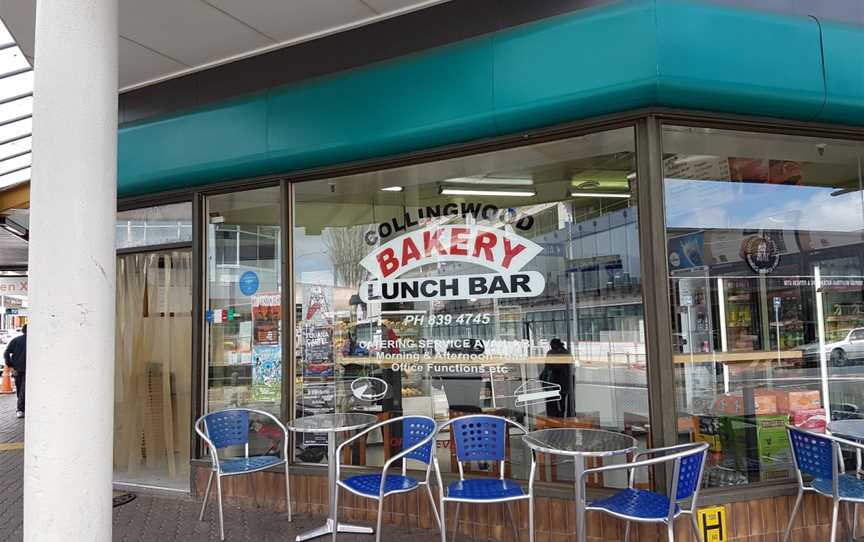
501,251
13,285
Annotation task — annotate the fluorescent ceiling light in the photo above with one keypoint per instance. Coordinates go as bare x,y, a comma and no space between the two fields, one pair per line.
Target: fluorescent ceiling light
393,189
599,195
503,181
14,228
450,191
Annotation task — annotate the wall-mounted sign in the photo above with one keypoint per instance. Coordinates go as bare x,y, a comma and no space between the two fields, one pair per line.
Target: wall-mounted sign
12,302
761,254
249,282
502,251
13,285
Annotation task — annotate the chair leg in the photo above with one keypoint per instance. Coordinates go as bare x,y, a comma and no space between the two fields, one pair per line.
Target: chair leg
834,514
854,520
434,507
695,525
206,496
512,520
380,518
288,492
456,521
221,519
627,532
792,516
335,512
441,516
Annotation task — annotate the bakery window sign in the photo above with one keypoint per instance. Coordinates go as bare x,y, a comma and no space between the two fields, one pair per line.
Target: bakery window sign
502,252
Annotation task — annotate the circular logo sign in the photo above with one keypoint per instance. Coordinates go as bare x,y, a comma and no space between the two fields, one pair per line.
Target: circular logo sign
761,254
249,283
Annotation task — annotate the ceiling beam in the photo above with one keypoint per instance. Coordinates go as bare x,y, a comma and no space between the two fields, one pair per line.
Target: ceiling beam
17,197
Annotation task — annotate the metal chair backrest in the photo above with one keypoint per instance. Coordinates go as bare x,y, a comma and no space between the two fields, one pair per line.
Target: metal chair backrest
814,454
480,438
228,427
414,430
689,468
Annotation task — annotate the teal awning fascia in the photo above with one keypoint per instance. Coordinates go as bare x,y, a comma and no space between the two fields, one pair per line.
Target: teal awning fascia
632,54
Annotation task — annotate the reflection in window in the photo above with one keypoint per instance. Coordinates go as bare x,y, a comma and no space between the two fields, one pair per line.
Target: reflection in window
149,226
506,283
765,263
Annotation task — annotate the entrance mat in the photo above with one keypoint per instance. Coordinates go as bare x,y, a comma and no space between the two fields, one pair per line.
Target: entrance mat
121,498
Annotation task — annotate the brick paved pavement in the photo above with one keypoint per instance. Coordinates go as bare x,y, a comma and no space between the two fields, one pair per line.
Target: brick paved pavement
154,519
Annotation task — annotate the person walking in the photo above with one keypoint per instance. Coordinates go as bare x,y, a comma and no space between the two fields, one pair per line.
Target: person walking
16,359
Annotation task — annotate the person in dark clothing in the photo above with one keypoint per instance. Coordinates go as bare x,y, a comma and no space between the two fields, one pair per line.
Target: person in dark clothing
16,358
558,372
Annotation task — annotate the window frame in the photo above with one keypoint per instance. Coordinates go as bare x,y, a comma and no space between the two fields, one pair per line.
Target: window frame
648,124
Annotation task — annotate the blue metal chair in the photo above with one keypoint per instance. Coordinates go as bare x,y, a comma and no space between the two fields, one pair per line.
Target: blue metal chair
418,434
645,506
480,437
230,427
819,457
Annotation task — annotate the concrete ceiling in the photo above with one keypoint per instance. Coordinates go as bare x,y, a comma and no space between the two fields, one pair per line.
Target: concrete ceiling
160,39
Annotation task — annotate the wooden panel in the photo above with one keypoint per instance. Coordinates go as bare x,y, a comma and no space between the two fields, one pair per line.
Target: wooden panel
761,520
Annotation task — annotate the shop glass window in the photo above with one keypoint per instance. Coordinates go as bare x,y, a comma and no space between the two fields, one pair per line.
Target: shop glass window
150,226
243,312
153,369
505,283
765,260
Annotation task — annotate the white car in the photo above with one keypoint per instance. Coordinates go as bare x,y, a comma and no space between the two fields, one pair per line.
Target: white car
849,349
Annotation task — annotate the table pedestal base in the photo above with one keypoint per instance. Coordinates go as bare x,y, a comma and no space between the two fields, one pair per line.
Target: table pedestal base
327,528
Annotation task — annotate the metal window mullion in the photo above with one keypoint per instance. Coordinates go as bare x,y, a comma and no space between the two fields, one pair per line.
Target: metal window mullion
655,289
199,296
286,200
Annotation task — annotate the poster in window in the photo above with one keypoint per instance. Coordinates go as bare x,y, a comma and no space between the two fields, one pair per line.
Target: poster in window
266,317
318,398
266,373
317,313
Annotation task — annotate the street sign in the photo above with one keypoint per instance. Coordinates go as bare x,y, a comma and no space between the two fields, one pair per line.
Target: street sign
712,523
777,302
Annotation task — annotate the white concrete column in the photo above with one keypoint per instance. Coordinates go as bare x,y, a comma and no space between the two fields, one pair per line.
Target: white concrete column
70,370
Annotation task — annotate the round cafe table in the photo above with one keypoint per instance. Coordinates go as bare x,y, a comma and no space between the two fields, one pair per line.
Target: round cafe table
579,444
850,430
331,424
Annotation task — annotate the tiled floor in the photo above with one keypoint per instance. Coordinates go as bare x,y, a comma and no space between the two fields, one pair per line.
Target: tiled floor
161,519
